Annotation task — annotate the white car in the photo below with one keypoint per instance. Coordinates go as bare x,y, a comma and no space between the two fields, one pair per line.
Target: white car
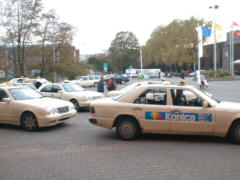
70,92
86,81
27,108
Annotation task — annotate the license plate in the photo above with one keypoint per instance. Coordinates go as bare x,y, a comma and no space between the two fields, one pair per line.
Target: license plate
65,116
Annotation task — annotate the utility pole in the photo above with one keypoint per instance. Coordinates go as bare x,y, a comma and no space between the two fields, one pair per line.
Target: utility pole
215,46
141,59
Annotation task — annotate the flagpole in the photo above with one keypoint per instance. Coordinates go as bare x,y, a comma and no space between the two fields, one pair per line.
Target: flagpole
215,50
232,54
230,50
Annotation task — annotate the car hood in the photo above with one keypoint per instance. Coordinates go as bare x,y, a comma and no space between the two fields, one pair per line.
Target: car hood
46,102
85,94
229,105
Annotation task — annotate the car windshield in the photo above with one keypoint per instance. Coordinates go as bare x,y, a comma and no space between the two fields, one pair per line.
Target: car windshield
206,96
24,93
72,87
124,94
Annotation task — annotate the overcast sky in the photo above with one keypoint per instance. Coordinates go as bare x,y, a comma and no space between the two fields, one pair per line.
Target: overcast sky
98,21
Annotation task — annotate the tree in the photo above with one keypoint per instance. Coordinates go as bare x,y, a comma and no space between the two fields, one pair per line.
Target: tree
174,45
124,51
45,32
19,18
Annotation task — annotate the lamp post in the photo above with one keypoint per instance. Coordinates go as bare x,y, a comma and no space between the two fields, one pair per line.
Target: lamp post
215,47
141,59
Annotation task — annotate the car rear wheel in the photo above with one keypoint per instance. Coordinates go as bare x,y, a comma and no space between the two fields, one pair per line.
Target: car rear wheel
29,122
122,82
76,105
234,132
127,129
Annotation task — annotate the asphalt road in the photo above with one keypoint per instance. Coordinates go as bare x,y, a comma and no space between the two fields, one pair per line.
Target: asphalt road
79,150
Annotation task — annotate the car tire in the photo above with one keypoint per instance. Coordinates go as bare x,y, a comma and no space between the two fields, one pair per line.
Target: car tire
76,105
122,82
29,122
95,85
127,129
234,132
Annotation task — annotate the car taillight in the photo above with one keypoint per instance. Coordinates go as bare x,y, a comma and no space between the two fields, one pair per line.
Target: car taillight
92,110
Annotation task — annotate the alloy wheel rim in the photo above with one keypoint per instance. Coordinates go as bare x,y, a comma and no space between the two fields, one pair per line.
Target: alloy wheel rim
30,122
127,130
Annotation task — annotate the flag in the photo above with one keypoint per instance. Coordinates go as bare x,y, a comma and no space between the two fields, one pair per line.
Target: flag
218,27
235,31
235,24
206,32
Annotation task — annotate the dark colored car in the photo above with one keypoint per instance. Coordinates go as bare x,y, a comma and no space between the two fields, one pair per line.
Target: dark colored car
120,79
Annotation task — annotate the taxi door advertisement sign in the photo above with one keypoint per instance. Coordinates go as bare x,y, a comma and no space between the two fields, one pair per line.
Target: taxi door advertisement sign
172,116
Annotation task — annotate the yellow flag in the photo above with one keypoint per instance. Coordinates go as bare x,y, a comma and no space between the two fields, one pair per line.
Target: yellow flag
218,27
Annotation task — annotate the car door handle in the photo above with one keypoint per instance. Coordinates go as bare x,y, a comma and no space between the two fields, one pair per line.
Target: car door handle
176,110
137,109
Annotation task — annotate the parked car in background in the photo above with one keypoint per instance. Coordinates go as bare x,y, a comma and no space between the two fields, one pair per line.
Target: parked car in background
27,108
70,92
86,81
120,79
18,80
132,86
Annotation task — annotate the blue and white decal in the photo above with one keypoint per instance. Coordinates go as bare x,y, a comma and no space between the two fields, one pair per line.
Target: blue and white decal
172,116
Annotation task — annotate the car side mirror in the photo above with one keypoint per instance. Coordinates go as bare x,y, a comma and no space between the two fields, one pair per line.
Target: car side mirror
6,100
205,104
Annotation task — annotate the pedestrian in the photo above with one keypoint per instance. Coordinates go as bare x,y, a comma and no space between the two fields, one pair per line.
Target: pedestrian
100,85
182,75
202,82
111,84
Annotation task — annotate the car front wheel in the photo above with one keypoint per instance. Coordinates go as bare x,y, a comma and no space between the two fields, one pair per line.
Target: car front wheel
29,122
127,129
234,132
76,105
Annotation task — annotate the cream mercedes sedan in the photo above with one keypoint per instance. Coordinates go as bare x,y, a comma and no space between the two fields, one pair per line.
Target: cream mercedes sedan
70,92
26,107
165,109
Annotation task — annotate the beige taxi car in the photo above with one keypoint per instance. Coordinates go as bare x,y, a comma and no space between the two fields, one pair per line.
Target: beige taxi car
165,109
27,108
74,93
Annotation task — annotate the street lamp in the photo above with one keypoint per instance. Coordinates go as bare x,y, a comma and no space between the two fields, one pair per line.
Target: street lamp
141,59
215,47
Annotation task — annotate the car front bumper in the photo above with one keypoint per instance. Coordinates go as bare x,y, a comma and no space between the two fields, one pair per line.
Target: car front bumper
55,119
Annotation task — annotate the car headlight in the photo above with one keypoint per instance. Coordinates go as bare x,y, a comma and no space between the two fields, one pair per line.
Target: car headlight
87,98
72,108
51,110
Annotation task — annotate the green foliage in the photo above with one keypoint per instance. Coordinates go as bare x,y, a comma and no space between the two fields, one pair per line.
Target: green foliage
95,63
175,43
124,51
71,70
219,73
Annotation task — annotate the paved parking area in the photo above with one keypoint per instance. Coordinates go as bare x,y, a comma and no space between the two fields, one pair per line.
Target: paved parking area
79,150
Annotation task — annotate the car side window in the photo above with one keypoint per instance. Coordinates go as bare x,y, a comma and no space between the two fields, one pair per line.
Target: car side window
56,88
154,96
47,88
182,97
3,94
90,78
